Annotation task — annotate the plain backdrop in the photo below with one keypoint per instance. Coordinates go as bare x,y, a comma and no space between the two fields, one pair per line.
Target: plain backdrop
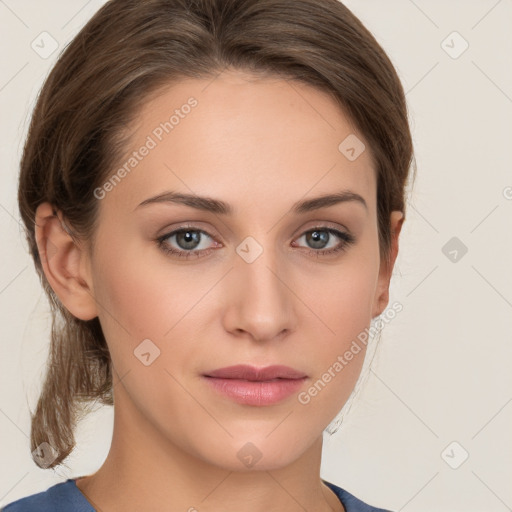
430,428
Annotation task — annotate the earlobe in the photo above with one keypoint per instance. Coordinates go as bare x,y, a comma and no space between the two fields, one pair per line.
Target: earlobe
63,263
386,268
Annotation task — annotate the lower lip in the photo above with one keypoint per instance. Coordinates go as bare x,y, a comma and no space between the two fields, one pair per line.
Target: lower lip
256,392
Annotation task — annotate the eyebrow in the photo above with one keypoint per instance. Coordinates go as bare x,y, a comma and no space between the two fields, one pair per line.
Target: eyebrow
220,207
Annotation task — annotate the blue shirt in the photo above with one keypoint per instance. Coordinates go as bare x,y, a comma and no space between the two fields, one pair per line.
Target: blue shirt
67,497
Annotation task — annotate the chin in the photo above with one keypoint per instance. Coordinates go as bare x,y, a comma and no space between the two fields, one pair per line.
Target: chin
257,453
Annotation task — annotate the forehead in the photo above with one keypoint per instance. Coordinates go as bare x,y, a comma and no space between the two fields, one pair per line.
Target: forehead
245,139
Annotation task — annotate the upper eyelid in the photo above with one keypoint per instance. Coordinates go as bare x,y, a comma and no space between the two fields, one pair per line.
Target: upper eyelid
315,224
328,225
179,230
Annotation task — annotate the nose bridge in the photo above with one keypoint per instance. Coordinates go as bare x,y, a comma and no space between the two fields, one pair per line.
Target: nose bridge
262,303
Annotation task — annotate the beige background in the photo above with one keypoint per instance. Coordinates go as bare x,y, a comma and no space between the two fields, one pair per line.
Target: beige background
442,372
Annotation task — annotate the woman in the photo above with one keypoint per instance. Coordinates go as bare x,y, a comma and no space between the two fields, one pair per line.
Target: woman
213,192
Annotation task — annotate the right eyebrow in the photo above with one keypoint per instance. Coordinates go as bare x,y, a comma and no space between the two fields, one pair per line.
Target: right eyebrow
200,203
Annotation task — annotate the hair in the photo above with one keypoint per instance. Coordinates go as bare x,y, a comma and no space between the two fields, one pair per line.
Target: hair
131,49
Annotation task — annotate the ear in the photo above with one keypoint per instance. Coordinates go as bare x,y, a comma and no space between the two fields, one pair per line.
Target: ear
65,263
386,268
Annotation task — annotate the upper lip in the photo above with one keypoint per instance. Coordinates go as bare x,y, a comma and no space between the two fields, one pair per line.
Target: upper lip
247,372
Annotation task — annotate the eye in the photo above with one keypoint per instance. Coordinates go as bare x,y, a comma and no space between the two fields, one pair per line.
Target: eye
190,242
322,240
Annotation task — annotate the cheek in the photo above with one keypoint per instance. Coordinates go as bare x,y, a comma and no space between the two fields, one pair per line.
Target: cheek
340,297
142,301
341,302
143,296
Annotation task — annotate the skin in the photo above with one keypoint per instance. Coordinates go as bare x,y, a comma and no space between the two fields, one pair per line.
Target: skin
259,145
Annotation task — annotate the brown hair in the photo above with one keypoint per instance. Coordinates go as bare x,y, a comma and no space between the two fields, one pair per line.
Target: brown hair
132,48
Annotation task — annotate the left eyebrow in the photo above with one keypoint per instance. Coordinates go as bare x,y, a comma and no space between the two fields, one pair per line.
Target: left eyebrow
328,200
220,207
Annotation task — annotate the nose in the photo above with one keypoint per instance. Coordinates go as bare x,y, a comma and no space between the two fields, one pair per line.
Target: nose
259,299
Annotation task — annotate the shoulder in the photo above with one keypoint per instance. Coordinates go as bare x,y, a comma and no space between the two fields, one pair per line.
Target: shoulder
62,497
350,502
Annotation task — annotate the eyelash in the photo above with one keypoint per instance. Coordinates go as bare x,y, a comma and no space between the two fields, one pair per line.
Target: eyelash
347,238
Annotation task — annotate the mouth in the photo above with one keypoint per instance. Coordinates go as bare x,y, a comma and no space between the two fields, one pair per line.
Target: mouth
256,386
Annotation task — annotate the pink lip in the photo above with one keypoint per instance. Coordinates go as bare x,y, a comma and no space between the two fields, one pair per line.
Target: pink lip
246,372
256,386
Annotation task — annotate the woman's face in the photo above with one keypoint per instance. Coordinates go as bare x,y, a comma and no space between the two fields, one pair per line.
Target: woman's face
261,284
